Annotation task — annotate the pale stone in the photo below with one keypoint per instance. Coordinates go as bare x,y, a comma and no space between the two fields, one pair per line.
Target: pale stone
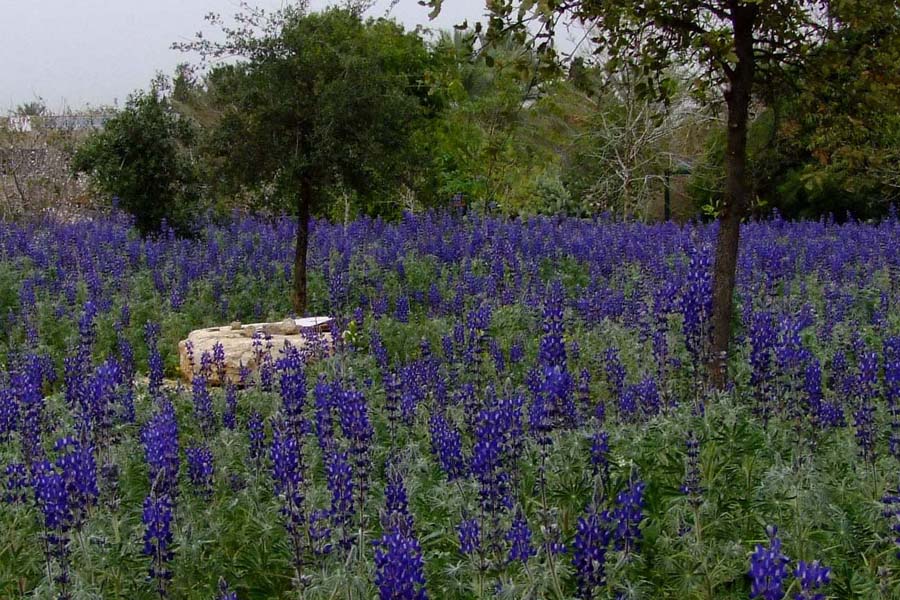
311,335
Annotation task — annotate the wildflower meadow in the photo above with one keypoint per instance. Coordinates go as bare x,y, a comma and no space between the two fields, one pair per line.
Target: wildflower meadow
513,408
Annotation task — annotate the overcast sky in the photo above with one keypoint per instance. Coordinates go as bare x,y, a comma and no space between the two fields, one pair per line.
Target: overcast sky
79,52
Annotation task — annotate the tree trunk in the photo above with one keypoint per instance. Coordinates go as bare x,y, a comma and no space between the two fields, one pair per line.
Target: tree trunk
304,200
737,190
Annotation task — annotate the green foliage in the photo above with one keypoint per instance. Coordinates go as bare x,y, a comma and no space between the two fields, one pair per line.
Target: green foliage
139,157
833,143
322,98
809,481
484,142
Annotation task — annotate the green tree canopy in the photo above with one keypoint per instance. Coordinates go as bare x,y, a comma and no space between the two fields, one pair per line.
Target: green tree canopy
315,101
834,137
139,157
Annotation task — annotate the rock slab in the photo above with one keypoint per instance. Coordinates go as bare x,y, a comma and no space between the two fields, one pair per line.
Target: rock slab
310,334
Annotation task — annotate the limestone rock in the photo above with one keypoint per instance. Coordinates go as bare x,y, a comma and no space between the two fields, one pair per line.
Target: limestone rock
311,335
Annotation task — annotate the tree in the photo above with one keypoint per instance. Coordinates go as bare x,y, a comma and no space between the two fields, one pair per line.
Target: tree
480,141
834,140
625,143
737,46
139,157
316,100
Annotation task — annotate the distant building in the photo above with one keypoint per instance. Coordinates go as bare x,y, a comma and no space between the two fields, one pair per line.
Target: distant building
19,123
66,122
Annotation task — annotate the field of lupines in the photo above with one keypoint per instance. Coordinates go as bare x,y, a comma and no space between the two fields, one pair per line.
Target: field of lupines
515,409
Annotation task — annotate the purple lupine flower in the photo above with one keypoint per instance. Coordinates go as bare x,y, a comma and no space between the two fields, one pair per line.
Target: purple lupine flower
891,511
320,532
396,516
488,461
519,538
379,352
203,409
446,445
340,484
399,568
539,423
265,363
469,532
154,359
413,391
160,439
891,358
225,592
15,483
244,375
401,312
629,403
628,515
200,469
592,539
52,499
583,391
27,385
552,542
448,349
79,469
552,352
762,343
380,306
841,378
648,397
823,414
218,360
768,568
696,304
189,352
206,365
392,396
287,471
868,374
479,320
257,435
517,352
497,356
691,485
812,576
615,373
9,413
97,408
76,395
157,519
600,456
557,389
323,398
127,397
435,300
354,420
292,380
86,331
287,466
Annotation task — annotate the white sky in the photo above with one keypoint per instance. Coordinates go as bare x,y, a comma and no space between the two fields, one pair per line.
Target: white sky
91,52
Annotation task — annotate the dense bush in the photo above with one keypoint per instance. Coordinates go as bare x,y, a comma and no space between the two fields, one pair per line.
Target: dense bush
515,409
139,158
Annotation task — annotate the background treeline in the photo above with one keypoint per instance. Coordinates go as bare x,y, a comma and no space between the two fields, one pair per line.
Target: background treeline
340,115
